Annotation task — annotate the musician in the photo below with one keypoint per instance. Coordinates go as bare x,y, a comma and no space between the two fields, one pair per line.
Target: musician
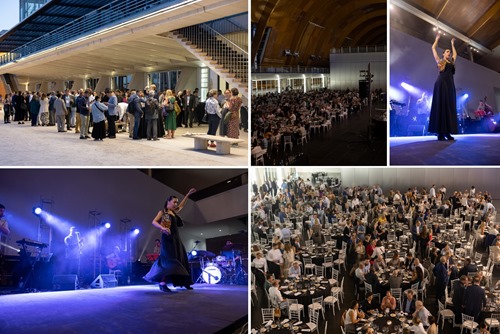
423,109
114,260
157,247
73,243
4,225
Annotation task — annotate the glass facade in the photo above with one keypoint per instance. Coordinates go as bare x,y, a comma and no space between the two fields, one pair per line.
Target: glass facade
28,7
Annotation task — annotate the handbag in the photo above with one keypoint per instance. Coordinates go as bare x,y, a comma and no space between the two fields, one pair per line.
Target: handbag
164,111
177,108
277,312
205,118
228,116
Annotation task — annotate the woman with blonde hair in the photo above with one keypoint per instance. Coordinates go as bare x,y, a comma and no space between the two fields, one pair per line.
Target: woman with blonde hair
171,117
288,258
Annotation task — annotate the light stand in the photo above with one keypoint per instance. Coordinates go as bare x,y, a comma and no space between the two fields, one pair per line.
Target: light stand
95,221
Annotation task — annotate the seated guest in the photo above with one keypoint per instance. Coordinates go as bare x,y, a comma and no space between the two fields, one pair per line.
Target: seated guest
408,261
417,327
275,296
379,250
432,326
369,304
372,279
359,273
468,267
352,316
421,313
483,329
295,270
395,261
388,302
408,305
379,263
395,280
434,255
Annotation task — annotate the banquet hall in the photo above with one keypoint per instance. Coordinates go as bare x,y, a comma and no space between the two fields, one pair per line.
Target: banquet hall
374,250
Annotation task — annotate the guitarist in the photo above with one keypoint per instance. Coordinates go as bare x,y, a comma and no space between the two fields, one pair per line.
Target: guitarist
4,228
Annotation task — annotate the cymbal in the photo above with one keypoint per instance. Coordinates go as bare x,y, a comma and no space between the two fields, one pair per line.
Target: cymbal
204,253
232,246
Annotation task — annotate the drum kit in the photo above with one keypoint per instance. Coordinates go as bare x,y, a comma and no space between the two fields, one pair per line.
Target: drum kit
227,268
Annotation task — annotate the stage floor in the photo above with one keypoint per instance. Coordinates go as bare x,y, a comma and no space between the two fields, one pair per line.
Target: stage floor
471,149
129,309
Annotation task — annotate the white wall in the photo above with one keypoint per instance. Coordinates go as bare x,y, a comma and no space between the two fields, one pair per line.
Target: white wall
484,179
345,67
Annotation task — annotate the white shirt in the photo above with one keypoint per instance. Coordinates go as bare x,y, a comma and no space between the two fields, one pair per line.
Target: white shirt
260,264
432,192
275,296
275,255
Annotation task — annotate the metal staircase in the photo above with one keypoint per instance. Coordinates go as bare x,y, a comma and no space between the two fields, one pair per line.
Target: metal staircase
222,55
10,83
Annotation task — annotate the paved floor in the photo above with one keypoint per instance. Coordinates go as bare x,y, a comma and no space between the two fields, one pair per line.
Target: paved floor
24,145
471,149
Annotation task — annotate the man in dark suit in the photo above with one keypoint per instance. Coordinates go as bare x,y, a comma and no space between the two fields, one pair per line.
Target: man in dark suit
274,186
442,275
468,267
189,102
458,298
408,305
474,299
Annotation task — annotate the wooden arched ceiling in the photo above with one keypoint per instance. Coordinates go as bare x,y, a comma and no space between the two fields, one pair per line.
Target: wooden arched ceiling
314,27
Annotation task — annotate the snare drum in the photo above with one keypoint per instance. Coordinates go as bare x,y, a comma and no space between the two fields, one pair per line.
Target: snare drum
211,274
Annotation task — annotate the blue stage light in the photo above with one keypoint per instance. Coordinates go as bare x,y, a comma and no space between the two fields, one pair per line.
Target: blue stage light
107,225
136,231
466,95
37,210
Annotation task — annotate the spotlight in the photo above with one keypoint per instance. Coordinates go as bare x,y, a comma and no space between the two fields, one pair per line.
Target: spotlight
107,225
37,210
466,95
135,231
194,253
434,28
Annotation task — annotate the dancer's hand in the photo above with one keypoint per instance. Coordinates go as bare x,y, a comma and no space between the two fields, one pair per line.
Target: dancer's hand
438,36
453,40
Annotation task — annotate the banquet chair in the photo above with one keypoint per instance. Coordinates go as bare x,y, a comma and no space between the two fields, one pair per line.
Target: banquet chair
340,290
288,142
328,263
326,326
332,300
267,314
327,237
294,308
340,261
319,271
316,305
396,293
309,243
423,289
478,257
488,273
444,314
313,323
493,321
308,265
468,323
369,289
302,139
334,281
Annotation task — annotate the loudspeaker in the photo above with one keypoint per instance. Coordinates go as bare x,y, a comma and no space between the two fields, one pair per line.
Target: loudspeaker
364,89
104,281
64,282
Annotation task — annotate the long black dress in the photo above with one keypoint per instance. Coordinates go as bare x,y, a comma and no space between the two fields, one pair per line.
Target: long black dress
172,262
443,117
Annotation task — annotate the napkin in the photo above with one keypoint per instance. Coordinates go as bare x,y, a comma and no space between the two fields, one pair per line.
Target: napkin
322,287
269,323
285,321
298,323
306,330
254,331
297,294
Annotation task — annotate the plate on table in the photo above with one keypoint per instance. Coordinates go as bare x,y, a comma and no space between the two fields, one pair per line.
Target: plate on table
402,319
286,325
393,315
262,330
295,328
274,326
380,315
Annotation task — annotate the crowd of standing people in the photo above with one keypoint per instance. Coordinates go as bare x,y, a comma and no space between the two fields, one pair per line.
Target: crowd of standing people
143,113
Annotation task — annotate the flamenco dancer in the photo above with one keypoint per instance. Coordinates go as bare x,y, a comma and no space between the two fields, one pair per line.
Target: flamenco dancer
443,117
172,265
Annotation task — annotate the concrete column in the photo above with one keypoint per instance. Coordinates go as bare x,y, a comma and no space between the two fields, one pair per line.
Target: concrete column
45,87
104,82
188,79
139,81
79,83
